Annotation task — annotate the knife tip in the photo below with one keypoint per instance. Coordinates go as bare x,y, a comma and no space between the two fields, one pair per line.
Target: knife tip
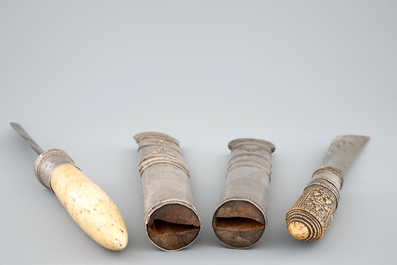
14,124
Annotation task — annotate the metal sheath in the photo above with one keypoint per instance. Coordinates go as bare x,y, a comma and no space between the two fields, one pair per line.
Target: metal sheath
243,202
47,162
166,183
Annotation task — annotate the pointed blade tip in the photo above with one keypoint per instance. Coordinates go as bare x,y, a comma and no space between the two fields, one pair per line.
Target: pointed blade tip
18,128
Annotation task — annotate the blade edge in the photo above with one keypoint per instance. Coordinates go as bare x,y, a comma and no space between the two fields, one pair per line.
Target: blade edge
29,140
342,152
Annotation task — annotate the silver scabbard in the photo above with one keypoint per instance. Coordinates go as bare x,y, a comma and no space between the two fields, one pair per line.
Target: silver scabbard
171,221
240,219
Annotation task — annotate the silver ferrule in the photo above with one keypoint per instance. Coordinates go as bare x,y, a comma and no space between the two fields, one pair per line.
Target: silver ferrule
47,162
331,175
247,180
165,183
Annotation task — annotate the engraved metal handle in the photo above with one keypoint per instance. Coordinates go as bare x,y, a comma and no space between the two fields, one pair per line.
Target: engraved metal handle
311,215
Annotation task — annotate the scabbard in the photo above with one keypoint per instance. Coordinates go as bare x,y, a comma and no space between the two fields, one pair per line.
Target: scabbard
240,219
171,220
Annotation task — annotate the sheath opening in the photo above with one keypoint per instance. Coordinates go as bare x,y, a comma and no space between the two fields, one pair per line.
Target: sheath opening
161,228
237,223
173,226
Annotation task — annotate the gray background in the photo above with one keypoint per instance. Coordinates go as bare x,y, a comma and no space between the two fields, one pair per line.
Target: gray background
86,76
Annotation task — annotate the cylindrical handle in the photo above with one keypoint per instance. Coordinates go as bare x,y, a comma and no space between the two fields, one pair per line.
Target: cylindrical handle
312,214
88,205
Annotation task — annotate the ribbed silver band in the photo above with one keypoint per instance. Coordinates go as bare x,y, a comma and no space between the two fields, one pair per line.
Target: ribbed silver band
330,174
47,162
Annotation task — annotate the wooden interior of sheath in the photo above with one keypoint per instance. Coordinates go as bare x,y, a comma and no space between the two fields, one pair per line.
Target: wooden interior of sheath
173,226
238,224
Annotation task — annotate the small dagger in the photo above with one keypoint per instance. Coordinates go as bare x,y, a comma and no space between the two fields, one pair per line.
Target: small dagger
312,214
88,205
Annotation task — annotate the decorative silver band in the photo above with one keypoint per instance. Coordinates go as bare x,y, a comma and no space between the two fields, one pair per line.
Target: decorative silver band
160,145
249,154
250,160
162,159
268,173
330,174
161,156
47,162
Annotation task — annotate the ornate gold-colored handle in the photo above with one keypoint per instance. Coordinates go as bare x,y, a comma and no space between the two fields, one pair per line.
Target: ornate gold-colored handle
312,214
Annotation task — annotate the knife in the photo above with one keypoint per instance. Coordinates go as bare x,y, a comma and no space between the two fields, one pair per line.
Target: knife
89,206
312,214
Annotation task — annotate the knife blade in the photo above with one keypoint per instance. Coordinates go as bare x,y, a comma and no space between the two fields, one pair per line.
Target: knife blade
27,137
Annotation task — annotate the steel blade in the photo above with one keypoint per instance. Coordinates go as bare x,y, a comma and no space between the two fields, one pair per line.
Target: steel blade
26,137
343,150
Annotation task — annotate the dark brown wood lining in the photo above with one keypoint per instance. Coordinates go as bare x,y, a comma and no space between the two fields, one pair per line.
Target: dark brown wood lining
238,224
173,226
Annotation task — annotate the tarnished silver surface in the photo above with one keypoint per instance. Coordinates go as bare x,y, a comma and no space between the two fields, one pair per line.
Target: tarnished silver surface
243,202
331,175
342,151
26,137
311,215
165,182
47,162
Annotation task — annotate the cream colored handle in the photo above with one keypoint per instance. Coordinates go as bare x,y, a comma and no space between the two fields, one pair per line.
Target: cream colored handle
90,207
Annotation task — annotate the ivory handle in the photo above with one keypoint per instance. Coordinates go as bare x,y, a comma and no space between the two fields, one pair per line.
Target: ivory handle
90,207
